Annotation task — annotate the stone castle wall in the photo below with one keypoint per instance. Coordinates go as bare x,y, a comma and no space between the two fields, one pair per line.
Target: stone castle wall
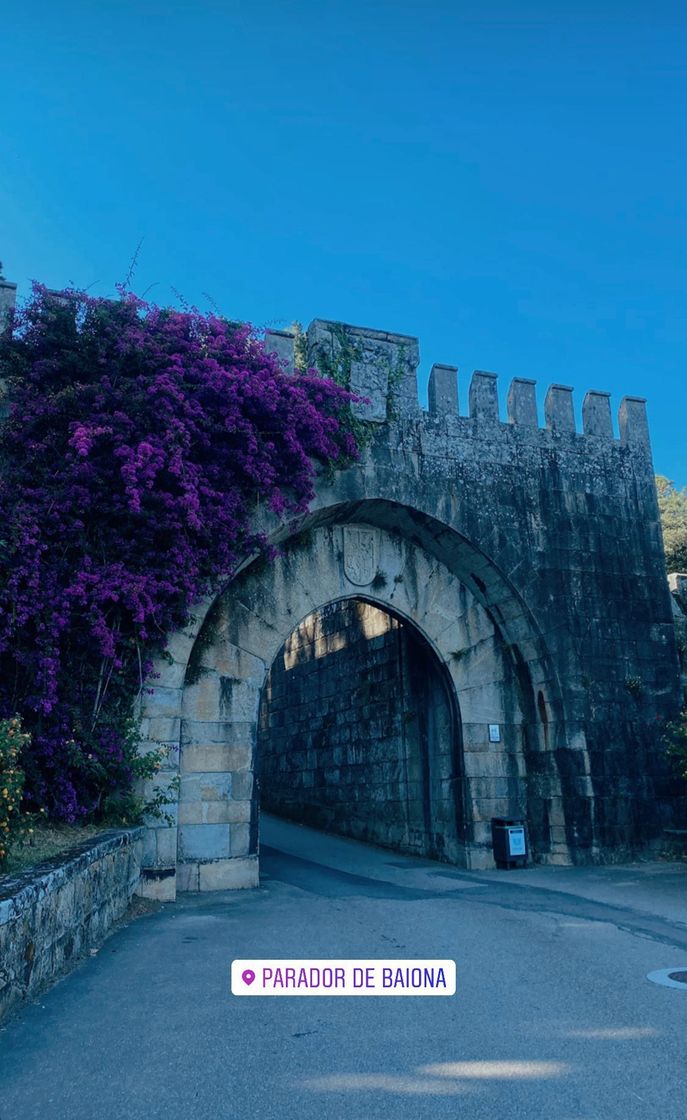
354,732
527,555
530,557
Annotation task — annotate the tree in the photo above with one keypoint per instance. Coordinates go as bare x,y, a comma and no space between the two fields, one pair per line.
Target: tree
672,504
139,444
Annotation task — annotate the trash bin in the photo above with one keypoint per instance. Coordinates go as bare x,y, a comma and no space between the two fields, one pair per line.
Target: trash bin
509,837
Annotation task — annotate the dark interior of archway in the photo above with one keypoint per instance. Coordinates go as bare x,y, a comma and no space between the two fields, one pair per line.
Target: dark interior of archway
358,734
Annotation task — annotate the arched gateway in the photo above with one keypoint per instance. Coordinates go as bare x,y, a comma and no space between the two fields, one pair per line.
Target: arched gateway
526,561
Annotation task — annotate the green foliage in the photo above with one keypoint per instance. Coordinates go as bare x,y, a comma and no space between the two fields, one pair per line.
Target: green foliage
672,504
675,739
130,806
395,378
300,348
336,364
13,824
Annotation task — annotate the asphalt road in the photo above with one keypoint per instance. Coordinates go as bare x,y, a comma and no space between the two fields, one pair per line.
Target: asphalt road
553,1016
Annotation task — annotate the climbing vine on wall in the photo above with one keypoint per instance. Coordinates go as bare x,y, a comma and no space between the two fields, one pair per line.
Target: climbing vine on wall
138,443
335,362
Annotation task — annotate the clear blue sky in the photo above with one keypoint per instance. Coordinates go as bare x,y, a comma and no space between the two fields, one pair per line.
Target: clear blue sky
505,180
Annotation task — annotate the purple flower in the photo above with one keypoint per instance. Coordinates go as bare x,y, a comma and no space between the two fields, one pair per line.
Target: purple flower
138,443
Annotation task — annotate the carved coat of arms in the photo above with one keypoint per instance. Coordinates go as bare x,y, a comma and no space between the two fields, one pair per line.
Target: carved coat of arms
360,554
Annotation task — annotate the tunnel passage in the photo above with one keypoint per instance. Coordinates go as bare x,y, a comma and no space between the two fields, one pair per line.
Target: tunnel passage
357,732
487,665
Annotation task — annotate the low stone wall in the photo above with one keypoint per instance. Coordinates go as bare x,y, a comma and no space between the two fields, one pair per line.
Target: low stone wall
52,913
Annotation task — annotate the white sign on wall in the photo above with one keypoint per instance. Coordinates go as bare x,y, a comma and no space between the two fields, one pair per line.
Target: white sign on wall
494,733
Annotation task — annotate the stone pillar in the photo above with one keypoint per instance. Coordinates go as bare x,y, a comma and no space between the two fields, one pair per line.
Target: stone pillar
596,414
377,365
483,396
282,344
522,402
632,421
443,390
558,409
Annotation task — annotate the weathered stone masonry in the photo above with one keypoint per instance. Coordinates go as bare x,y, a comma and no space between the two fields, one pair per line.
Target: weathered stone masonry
356,733
528,559
52,913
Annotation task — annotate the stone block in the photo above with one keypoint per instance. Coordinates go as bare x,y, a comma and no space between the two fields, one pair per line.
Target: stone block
149,853
166,855
163,783
215,757
164,729
479,858
202,699
443,390
281,343
159,701
205,787
632,420
160,889
229,874
522,402
227,732
187,877
240,839
242,785
204,841
179,646
226,812
192,812
558,409
483,397
596,414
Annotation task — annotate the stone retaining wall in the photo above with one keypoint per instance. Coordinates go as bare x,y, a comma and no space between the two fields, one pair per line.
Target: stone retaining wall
52,913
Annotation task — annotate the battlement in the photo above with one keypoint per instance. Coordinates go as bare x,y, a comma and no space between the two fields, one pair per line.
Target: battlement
382,367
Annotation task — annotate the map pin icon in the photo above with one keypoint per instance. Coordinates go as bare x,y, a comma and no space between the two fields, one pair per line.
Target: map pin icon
248,976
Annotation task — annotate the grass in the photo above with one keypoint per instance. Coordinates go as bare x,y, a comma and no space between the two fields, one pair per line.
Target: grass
46,841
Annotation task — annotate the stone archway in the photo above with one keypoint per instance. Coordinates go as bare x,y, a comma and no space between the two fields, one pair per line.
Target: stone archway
207,698
359,733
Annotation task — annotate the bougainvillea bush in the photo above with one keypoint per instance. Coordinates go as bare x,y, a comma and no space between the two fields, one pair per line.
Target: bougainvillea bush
139,444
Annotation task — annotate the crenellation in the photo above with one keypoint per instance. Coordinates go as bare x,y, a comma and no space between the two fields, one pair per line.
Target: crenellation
596,414
632,422
381,367
559,414
282,343
443,390
483,396
377,365
522,402
530,562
